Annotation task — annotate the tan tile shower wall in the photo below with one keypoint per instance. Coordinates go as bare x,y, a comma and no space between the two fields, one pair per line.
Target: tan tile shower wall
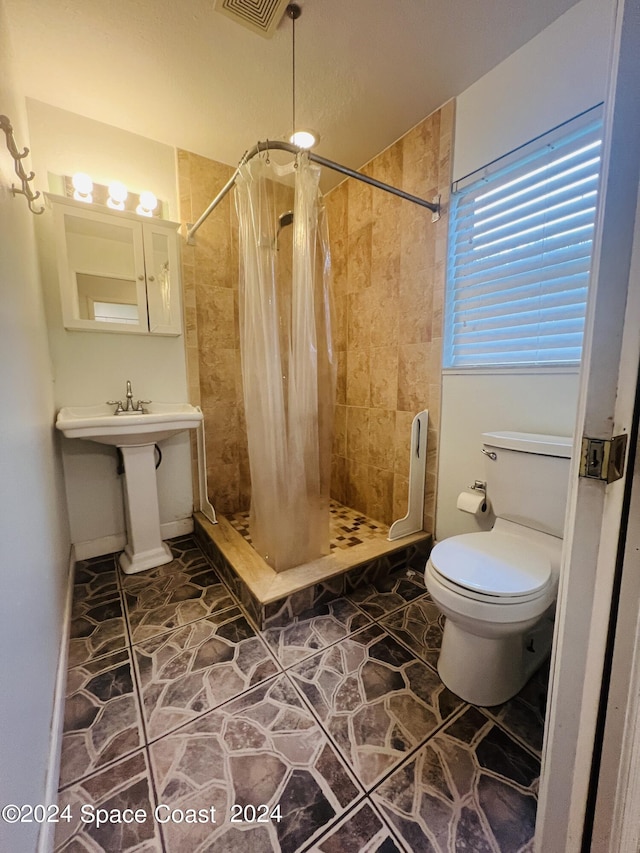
210,283
388,284
210,280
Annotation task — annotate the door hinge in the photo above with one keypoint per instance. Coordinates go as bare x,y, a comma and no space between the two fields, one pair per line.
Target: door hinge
603,458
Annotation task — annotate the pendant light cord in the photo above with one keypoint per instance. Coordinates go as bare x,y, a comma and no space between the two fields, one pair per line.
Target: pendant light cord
294,12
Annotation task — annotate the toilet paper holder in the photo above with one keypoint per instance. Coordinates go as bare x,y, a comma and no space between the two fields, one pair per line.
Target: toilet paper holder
474,499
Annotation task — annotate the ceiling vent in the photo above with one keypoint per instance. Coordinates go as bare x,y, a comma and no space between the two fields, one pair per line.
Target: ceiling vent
259,16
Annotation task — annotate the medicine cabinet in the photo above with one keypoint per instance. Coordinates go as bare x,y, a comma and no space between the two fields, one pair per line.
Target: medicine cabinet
118,272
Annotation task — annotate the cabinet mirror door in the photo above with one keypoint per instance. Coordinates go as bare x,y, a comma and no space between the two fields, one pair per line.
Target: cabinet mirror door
102,273
117,274
161,261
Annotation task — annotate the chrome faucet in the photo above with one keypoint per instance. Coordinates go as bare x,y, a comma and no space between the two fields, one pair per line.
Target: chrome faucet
129,406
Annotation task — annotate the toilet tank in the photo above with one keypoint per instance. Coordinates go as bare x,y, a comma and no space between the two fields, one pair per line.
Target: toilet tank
527,482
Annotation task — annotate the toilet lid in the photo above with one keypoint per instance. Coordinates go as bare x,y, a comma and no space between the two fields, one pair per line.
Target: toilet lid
493,564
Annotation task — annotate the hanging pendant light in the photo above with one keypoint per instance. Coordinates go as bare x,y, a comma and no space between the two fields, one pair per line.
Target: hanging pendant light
303,138
294,145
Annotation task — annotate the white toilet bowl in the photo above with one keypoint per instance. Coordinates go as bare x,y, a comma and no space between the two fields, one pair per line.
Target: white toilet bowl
497,590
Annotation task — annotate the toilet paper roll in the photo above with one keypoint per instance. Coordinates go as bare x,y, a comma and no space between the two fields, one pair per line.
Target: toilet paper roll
473,501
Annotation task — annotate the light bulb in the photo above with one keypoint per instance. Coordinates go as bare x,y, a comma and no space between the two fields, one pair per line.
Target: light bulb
304,138
82,185
148,203
117,195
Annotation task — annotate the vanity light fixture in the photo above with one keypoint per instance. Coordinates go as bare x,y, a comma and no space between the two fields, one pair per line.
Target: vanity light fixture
82,187
117,195
148,203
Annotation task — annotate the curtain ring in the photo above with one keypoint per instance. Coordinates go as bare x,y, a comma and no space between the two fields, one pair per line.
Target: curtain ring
267,161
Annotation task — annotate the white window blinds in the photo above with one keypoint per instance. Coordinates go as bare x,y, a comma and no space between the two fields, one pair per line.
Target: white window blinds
520,252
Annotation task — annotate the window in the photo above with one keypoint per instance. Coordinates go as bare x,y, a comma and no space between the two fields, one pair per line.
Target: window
520,242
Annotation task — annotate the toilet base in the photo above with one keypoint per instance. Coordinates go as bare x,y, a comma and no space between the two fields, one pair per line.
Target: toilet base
488,671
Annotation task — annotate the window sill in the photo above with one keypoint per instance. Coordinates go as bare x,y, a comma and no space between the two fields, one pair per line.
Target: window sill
496,370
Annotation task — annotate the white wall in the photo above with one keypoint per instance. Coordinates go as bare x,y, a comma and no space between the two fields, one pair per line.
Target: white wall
65,143
558,74
91,367
473,404
34,537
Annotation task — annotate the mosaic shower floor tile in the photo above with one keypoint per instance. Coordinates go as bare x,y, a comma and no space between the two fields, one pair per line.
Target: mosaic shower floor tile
262,754
375,699
390,594
471,787
303,635
347,527
192,669
124,785
101,716
419,625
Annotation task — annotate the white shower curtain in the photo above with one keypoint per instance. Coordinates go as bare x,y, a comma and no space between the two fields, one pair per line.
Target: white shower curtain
288,368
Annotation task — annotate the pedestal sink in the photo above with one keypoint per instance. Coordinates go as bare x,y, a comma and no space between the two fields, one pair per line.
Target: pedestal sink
136,434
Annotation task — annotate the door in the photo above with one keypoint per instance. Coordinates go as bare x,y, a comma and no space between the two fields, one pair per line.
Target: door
596,529
616,792
101,269
162,265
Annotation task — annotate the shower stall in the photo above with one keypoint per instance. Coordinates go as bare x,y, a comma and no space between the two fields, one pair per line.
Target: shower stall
374,348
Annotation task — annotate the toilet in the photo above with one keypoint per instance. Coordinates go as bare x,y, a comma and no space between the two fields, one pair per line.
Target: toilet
497,589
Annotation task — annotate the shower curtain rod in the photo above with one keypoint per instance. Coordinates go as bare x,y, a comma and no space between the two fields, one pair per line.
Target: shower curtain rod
274,145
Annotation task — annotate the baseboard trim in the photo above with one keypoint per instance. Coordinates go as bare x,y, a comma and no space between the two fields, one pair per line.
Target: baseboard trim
180,527
97,547
111,544
47,831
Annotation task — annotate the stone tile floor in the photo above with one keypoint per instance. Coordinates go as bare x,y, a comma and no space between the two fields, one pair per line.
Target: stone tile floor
193,731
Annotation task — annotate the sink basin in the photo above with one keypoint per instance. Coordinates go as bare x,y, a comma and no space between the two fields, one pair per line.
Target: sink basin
136,434
98,423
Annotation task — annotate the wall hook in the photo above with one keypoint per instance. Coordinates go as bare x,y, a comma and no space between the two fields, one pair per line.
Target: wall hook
25,179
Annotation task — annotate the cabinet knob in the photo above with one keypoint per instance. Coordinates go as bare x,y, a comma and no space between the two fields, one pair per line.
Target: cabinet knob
140,278
152,278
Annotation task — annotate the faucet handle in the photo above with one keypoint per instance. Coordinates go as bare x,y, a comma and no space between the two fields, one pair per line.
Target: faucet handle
139,406
117,404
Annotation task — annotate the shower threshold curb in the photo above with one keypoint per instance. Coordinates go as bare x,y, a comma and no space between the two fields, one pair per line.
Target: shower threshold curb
259,586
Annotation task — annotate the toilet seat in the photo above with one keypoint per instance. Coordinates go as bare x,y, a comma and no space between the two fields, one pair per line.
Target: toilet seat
493,566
